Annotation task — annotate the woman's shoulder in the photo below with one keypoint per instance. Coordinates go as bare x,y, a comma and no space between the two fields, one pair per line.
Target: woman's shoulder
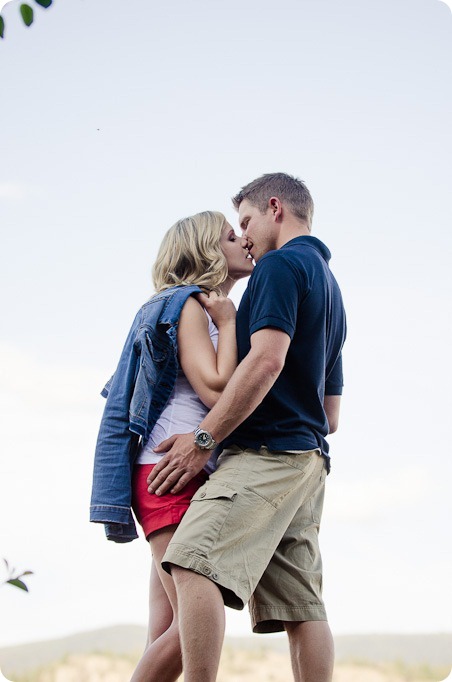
192,307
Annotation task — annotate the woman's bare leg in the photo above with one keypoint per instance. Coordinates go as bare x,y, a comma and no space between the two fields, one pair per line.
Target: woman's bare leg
162,660
160,609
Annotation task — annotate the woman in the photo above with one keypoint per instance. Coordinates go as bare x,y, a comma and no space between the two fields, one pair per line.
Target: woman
177,360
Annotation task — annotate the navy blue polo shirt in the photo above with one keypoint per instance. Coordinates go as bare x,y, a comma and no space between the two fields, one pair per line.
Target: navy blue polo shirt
293,289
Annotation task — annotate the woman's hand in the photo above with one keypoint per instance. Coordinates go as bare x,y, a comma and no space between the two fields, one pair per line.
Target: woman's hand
220,308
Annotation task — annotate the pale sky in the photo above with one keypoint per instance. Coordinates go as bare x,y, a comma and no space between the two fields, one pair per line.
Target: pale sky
118,119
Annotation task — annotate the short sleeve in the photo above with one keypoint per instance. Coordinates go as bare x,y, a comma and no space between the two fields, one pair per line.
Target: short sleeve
275,292
334,381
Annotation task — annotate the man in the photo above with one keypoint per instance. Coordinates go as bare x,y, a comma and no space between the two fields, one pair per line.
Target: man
251,532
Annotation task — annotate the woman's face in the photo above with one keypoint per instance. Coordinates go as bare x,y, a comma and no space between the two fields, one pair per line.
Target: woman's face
239,265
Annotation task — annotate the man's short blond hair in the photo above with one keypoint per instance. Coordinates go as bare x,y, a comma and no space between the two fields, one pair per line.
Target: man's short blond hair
290,190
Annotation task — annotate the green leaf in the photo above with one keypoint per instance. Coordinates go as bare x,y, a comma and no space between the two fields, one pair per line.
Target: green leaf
2,32
18,583
27,14
44,3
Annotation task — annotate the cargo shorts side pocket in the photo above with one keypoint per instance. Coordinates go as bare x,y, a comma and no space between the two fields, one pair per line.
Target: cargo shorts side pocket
208,511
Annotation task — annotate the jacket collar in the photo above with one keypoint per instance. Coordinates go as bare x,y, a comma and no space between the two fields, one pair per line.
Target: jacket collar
176,297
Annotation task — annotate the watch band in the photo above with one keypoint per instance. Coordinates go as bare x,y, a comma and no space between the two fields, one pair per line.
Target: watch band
204,439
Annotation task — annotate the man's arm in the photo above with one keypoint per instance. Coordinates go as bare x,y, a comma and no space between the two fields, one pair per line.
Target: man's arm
331,405
246,389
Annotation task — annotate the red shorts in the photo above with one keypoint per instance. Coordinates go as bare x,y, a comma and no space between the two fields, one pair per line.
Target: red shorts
154,512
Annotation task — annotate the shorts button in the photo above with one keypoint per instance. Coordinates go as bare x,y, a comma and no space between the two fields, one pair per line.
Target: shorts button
215,576
202,495
206,570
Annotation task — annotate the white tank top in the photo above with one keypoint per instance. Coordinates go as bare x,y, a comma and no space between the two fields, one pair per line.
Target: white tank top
183,412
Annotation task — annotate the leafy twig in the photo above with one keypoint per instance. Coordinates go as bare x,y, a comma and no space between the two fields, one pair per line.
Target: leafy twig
15,578
27,14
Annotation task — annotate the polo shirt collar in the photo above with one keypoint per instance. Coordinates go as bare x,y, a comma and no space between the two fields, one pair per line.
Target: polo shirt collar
313,242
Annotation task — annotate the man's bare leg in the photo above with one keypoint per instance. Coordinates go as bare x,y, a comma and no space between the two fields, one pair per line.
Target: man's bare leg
311,650
201,624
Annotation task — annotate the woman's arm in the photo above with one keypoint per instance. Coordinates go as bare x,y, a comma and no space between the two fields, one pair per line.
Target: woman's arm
207,371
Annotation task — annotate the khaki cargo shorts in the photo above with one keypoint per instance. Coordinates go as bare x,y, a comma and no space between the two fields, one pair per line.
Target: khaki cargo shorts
252,528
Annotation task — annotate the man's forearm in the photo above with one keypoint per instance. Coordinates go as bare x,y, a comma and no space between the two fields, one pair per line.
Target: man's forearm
246,389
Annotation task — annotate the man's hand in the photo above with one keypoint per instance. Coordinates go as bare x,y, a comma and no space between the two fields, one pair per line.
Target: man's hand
183,460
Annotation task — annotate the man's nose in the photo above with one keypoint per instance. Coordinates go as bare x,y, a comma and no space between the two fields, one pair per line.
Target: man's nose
244,242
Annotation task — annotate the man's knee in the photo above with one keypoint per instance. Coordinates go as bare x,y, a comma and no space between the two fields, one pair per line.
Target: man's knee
181,575
314,632
187,578
294,632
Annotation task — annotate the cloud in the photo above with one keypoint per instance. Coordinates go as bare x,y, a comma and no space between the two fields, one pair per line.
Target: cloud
448,3
11,190
28,381
15,191
379,497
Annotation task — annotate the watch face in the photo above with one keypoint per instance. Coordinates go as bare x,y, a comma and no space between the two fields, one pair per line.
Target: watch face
204,439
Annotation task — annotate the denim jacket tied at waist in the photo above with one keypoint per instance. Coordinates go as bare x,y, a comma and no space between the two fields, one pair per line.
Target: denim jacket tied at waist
136,396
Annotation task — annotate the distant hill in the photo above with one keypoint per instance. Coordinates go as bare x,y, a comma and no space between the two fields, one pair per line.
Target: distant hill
118,639
429,649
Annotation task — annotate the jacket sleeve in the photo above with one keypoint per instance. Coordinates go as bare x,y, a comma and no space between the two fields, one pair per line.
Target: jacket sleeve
116,448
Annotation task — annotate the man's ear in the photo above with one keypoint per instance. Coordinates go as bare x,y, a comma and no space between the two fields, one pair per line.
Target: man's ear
275,205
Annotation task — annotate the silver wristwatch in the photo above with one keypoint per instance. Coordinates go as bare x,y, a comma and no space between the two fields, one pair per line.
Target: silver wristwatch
204,439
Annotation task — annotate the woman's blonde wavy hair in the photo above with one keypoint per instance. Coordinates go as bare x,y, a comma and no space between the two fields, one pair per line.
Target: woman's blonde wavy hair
190,253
